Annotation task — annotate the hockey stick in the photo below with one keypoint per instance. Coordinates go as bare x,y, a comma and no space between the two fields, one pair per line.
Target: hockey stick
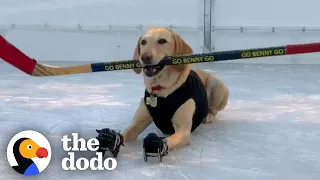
18,59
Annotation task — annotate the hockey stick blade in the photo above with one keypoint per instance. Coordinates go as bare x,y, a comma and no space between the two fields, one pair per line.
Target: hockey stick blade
15,57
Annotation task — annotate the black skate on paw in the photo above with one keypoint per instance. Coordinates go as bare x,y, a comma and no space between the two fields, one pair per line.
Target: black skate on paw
154,146
109,140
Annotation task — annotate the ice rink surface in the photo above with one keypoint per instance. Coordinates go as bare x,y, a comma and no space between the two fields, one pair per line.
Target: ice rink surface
269,130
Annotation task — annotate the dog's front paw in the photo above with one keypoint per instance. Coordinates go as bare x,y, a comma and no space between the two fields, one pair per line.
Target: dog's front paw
153,144
109,140
210,117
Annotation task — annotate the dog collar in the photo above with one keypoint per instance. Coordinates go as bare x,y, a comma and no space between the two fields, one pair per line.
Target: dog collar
156,88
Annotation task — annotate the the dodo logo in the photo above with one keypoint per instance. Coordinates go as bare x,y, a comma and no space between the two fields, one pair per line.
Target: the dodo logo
29,153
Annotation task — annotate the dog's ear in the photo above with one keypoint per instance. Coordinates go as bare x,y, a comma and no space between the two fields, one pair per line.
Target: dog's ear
181,48
136,56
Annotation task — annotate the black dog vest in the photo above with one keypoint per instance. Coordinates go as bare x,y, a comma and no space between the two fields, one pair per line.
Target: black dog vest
192,88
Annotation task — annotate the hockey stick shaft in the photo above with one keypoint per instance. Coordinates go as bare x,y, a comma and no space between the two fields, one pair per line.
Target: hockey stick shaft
15,57
215,56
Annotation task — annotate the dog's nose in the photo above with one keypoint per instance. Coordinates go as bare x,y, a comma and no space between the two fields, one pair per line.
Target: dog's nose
146,58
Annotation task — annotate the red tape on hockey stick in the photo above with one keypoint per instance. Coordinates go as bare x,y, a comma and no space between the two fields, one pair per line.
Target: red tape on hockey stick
15,57
303,48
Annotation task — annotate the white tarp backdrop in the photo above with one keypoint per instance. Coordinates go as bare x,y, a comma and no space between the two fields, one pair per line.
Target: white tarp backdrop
104,30
288,18
94,41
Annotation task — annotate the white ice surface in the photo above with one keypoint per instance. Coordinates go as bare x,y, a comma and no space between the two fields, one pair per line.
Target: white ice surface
270,129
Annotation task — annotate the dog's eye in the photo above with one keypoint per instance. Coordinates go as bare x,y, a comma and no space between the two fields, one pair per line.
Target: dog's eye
143,42
162,41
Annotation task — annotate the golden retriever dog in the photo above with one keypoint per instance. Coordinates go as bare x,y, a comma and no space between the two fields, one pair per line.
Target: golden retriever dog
163,82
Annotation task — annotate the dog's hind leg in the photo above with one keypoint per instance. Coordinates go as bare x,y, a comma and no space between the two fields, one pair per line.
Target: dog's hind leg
217,98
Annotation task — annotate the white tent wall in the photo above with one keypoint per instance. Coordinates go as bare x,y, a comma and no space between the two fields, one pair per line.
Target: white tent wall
96,30
262,23
104,30
3,32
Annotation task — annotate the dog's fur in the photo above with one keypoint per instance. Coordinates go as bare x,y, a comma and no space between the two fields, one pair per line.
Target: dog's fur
171,78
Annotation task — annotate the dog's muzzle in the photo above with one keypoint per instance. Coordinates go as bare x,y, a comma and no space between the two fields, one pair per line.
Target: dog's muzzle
153,70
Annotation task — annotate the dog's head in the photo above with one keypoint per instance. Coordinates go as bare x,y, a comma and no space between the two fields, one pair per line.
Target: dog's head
154,45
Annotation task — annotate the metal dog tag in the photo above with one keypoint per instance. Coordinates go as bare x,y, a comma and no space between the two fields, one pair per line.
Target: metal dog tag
152,101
